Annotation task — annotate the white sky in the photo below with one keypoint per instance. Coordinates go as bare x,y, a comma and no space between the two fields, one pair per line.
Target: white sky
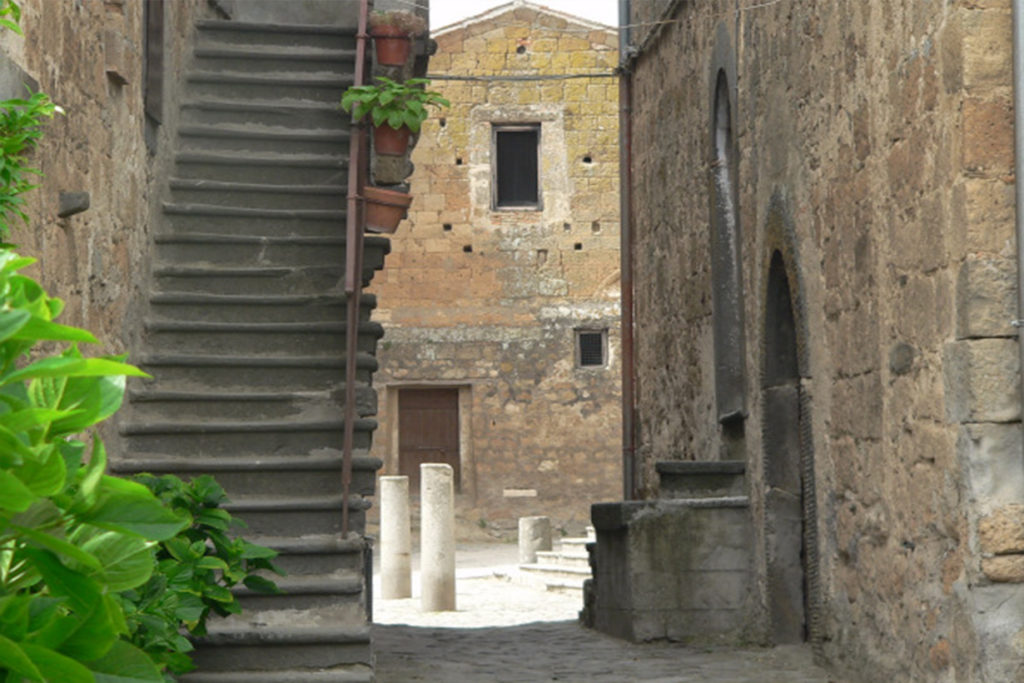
444,12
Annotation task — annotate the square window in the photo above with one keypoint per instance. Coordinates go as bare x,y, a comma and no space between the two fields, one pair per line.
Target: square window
515,169
591,348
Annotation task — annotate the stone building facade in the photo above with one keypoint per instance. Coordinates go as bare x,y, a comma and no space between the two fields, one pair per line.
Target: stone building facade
487,295
823,251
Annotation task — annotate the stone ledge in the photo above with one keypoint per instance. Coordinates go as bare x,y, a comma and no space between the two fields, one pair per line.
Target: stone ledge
615,516
1004,568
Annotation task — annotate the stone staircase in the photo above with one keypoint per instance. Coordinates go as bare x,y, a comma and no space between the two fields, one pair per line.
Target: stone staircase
563,569
245,339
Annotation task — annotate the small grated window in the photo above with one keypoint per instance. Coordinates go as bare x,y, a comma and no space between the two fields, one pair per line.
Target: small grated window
590,348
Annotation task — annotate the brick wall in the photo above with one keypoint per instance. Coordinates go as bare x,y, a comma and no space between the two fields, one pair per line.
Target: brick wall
488,300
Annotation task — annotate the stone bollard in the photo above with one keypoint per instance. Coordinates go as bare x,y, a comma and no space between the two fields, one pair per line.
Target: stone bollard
437,538
395,539
534,535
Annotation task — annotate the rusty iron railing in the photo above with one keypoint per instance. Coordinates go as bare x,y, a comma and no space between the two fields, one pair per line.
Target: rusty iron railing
358,161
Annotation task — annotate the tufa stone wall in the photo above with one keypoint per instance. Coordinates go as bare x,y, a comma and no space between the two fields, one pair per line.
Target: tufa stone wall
873,144
88,56
488,300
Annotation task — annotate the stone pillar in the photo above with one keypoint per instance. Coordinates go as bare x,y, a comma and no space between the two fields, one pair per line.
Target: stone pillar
534,535
437,538
395,539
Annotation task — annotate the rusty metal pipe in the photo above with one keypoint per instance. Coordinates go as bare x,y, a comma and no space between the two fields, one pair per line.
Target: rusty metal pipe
353,266
629,484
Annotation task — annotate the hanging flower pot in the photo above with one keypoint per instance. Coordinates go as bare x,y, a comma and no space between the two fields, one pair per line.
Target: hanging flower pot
388,140
385,209
393,45
391,31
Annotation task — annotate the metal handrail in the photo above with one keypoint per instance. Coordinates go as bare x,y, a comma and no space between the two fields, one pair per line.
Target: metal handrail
354,229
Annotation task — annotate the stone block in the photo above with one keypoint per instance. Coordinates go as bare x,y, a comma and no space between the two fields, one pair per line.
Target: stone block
986,295
1004,568
989,213
997,613
988,135
987,49
990,457
982,380
1002,532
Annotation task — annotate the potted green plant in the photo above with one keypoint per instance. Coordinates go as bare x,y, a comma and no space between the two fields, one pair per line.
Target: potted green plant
397,110
392,33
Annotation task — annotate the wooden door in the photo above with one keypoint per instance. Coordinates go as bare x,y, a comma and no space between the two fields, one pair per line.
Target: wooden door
428,432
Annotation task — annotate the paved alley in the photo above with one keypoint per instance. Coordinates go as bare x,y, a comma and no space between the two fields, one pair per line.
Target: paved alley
506,632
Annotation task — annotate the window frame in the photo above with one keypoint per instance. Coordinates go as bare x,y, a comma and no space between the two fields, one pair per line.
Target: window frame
496,129
578,351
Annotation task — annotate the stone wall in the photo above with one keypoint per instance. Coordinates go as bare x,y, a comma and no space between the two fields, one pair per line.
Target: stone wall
88,56
874,149
488,300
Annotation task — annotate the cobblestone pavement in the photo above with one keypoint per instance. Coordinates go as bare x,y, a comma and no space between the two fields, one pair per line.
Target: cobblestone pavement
507,632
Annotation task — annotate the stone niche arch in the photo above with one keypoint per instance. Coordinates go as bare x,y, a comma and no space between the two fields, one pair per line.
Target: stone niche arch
791,536
726,247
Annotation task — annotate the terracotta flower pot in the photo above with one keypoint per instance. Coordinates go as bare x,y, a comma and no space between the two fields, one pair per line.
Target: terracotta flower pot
393,45
388,140
385,209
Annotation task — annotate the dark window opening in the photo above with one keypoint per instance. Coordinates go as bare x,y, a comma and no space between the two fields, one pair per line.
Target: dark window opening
515,167
468,248
458,161
521,50
588,160
591,348
447,227
578,246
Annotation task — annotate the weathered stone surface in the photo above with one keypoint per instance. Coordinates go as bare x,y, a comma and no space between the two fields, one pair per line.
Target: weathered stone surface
1002,532
993,470
982,380
1004,568
986,298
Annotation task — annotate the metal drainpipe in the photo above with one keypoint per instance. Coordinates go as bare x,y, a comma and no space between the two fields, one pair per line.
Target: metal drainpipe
1018,134
354,226
626,256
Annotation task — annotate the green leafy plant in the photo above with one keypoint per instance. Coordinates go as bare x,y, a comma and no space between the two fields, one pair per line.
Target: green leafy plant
20,128
392,103
402,20
70,536
196,570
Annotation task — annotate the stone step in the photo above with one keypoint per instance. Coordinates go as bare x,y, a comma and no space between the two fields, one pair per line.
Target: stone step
271,112
271,281
257,138
186,372
224,437
272,58
242,85
304,553
280,515
216,32
261,167
233,646
217,403
356,673
701,479
554,576
252,308
252,251
259,195
342,591
316,473
219,337
562,558
216,219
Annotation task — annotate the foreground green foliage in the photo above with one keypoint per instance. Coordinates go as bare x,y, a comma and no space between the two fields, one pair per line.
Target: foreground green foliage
195,572
71,537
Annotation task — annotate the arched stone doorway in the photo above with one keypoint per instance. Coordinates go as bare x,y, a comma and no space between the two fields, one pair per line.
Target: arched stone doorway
790,516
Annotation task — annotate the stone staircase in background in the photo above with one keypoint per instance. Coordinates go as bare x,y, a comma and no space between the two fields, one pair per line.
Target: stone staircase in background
564,568
245,339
